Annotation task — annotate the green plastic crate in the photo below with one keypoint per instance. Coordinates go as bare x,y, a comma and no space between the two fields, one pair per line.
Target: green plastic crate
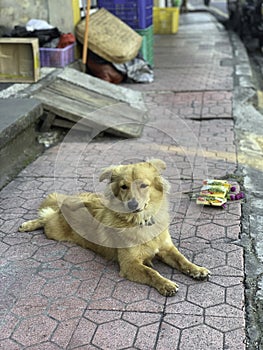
147,44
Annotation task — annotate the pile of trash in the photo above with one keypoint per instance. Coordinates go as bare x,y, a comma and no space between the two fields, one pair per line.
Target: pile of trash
216,192
48,36
113,53
113,47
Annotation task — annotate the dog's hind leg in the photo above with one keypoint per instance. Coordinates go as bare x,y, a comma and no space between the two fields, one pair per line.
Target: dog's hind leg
31,225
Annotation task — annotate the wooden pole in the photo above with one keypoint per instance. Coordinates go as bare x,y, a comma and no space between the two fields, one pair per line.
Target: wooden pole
86,37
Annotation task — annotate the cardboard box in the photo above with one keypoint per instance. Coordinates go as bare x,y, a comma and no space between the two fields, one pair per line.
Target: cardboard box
19,60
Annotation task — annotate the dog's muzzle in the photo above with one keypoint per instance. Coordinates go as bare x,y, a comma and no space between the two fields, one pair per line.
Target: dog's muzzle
133,205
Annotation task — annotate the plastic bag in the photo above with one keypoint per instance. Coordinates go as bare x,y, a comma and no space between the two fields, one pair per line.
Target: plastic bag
136,70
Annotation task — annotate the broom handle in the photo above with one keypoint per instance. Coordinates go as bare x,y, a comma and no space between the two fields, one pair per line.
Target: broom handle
86,34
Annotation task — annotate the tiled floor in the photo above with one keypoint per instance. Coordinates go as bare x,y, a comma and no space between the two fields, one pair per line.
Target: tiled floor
60,296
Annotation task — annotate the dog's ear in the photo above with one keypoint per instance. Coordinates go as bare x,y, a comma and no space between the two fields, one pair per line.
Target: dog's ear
158,164
107,173
161,184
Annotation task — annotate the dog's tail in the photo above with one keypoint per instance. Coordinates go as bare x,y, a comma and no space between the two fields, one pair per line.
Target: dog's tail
44,216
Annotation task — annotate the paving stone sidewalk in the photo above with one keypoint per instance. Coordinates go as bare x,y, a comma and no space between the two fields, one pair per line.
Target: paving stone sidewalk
60,296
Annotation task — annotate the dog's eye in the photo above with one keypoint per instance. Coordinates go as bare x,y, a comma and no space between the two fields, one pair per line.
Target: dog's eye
124,187
144,185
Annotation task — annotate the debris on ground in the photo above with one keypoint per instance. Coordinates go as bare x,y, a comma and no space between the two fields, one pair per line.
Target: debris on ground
114,53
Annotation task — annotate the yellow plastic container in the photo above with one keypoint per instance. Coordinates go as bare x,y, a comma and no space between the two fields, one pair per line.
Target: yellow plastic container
165,20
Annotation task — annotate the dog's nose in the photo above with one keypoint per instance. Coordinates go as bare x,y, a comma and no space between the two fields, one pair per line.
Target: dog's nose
133,204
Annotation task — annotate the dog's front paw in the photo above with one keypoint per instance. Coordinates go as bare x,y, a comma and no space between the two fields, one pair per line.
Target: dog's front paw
168,288
200,273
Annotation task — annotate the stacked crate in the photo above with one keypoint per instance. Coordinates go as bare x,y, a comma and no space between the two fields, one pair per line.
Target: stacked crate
138,14
166,20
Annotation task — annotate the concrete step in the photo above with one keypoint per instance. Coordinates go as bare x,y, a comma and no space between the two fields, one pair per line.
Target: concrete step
18,138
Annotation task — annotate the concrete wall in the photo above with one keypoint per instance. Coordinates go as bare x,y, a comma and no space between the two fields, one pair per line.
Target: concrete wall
64,14
60,13
13,12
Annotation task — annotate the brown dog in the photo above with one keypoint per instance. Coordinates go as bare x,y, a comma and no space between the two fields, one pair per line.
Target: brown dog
129,223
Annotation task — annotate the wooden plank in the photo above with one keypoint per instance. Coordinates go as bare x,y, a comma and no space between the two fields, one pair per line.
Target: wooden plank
74,110
132,97
67,124
80,94
108,118
94,103
48,121
96,100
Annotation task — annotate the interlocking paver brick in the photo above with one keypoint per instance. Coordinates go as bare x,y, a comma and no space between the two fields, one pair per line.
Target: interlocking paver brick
33,287
147,336
76,255
32,306
66,308
205,295
233,232
106,304
88,270
211,257
227,271
228,281
235,295
34,330
44,346
54,269
8,324
50,252
210,231
3,247
63,333
183,321
107,335
147,305
60,287
20,251
201,337
235,260
9,344
224,324
224,310
100,316
56,295
234,340
183,308
87,288
169,337
135,295
82,334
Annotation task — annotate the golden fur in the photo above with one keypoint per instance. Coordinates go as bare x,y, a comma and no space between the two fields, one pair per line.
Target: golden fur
129,223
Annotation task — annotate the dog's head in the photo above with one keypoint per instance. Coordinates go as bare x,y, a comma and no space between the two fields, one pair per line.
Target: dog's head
133,187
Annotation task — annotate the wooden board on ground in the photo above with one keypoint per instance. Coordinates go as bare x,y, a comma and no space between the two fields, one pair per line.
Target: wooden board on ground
93,104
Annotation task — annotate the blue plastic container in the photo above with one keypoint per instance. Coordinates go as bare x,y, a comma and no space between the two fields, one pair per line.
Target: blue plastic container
138,14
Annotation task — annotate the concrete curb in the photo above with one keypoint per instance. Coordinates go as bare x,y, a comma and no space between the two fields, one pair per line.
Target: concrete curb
248,121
